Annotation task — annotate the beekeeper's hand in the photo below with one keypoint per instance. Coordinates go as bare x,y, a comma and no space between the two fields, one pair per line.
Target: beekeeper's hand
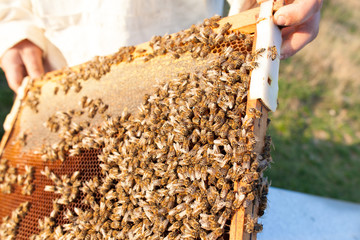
300,21
21,60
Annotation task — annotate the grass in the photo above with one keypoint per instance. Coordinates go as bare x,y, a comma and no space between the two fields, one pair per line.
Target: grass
6,96
312,152
316,130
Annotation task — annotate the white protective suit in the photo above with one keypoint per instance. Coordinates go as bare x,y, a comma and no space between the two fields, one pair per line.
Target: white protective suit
71,32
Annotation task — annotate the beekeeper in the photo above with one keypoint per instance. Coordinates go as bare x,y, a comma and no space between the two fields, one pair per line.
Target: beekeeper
38,36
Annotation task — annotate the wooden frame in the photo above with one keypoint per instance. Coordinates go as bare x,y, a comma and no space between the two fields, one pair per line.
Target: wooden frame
246,23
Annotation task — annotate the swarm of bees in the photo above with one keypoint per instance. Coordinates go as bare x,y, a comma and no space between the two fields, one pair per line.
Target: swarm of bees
167,172
9,225
9,177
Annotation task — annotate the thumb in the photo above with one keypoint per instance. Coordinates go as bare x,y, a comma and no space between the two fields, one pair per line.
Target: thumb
297,13
32,59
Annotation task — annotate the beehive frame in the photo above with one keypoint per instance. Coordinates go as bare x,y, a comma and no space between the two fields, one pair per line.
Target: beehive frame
246,23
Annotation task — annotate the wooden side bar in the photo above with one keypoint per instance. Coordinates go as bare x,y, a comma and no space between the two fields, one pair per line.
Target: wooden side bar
247,23
238,221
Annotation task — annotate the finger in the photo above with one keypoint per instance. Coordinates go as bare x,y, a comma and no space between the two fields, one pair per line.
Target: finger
295,38
13,68
14,75
297,13
32,58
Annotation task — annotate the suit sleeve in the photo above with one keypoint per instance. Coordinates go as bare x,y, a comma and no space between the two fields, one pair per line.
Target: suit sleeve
18,22
237,6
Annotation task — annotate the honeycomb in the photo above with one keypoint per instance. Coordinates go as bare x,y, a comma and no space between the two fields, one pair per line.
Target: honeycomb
147,162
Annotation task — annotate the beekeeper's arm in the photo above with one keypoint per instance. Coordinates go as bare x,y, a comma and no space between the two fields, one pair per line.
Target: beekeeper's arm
21,42
300,21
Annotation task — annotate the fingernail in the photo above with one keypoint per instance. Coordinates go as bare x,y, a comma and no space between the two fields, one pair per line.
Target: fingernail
281,20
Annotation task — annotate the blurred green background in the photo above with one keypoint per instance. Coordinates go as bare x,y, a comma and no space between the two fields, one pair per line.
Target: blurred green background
6,99
316,129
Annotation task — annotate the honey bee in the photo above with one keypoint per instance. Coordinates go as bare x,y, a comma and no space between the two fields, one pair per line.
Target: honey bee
147,57
224,191
54,213
20,179
255,112
27,189
103,108
50,188
250,196
129,58
203,173
248,41
176,225
83,101
219,38
162,51
213,19
204,34
272,53
58,232
66,87
115,225
22,139
189,235
77,87
218,205
175,55
92,111
208,223
140,50
224,217
75,151
251,137
246,164
228,51
232,37
46,172
224,28
208,22
221,142
212,195
251,225
258,53
56,90
29,171
196,52
262,205
247,122
215,234
154,40
251,65
251,177
74,176
220,117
